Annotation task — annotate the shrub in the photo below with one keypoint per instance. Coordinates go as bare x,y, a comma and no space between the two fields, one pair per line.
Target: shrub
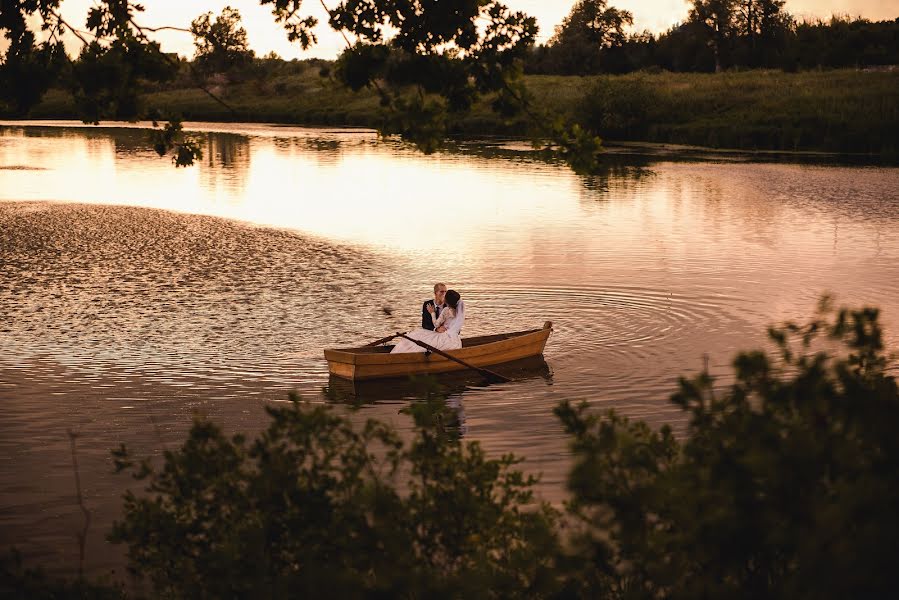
316,504
785,486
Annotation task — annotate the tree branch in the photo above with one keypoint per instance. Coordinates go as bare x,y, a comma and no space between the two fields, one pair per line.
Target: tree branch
163,28
62,22
345,38
349,45
173,62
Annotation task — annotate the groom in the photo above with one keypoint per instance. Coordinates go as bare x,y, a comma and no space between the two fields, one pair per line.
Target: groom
437,303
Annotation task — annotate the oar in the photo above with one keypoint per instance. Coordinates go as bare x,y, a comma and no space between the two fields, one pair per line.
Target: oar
381,341
490,375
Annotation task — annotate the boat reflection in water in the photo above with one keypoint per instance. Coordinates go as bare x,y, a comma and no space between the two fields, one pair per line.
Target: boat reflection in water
451,386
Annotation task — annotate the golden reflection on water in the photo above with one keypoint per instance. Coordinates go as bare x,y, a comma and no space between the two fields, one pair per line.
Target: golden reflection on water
363,195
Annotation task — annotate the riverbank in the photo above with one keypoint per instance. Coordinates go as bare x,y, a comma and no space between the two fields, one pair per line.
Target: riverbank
844,111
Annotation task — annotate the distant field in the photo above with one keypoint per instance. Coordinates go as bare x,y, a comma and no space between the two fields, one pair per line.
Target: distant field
835,111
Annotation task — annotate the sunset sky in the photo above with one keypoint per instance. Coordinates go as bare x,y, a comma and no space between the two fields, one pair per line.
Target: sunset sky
265,35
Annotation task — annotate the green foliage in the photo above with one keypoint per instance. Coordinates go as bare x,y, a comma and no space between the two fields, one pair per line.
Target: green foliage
618,108
108,80
170,138
586,35
843,42
440,68
314,503
579,147
221,44
764,28
18,582
27,69
721,35
429,62
746,32
299,29
109,75
836,111
717,20
596,22
784,487
436,62
832,111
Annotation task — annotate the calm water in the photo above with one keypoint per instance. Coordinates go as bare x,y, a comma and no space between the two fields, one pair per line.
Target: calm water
134,295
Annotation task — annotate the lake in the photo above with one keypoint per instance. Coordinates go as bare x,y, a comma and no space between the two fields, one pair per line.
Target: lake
134,295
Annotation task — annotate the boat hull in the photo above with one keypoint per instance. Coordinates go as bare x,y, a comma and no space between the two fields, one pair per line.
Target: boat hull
359,364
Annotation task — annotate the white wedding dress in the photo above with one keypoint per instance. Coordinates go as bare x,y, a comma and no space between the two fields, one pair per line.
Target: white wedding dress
448,340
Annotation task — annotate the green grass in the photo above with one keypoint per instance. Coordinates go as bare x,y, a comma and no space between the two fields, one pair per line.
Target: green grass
834,111
845,111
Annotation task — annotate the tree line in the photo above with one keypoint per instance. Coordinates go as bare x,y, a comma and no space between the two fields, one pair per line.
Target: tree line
717,35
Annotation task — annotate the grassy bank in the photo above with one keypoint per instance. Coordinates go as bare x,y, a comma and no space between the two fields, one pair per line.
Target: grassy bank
834,111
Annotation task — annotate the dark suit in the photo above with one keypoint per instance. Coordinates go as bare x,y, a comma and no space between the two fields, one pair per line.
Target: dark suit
426,321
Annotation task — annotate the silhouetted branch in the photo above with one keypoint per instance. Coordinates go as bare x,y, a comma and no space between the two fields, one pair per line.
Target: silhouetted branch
174,62
62,22
163,28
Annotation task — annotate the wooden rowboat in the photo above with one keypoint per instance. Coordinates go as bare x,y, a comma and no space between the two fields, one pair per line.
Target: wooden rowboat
376,362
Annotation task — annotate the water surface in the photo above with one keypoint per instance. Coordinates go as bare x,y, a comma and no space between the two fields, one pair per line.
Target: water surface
134,295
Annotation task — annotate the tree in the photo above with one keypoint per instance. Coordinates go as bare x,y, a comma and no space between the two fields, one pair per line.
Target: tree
27,69
718,20
685,47
591,29
762,26
595,21
784,486
221,44
760,18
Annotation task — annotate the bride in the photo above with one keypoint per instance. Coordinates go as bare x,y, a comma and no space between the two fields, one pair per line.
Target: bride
447,328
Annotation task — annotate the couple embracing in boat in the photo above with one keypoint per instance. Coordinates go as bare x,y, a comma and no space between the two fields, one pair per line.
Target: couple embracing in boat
441,323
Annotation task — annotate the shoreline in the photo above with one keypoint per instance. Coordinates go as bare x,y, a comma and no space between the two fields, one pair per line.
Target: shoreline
844,112
612,148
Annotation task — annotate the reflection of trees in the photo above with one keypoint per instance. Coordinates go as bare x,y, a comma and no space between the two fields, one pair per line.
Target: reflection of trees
227,160
323,151
621,170
321,145
228,151
98,142
616,174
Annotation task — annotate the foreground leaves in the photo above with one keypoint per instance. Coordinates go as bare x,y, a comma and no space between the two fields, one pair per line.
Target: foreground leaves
315,503
785,486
